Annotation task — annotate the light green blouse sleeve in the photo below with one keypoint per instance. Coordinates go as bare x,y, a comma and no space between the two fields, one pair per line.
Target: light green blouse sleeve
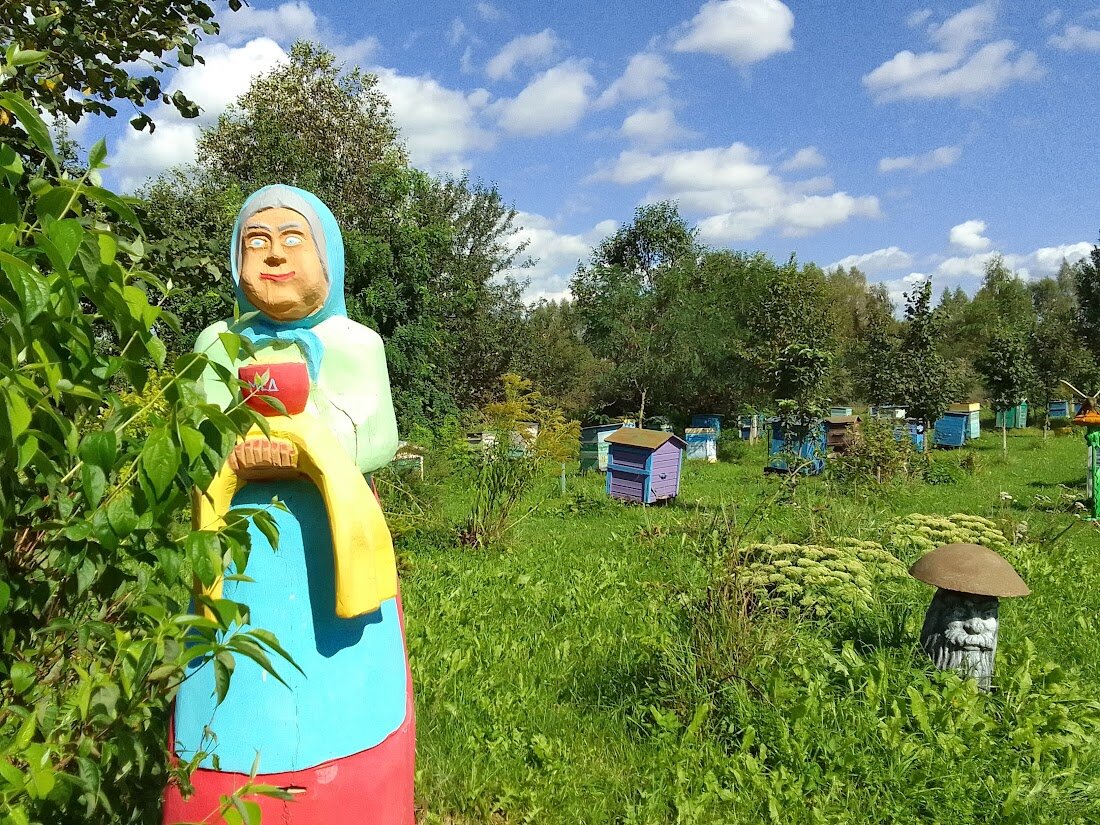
355,381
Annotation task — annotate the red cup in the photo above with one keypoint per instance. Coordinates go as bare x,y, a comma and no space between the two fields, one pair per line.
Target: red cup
287,382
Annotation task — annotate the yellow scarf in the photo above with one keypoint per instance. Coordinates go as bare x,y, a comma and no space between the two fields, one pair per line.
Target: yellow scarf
366,571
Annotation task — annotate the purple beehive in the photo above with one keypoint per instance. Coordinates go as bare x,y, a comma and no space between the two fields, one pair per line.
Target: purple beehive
643,465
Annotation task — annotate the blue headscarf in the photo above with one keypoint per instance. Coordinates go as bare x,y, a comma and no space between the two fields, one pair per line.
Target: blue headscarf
261,329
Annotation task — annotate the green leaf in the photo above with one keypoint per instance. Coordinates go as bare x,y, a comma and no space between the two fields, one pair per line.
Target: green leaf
11,774
66,235
108,247
19,414
249,810
223,671
56,202
31,121
267,525
22,676
121,516
27,57
99,448
204,553
93,481
5,596
9,207
30,287
269,639
160,459
114,203
97,154
193,442
232,344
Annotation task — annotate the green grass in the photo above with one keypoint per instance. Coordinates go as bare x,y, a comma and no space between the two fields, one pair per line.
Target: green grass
559,681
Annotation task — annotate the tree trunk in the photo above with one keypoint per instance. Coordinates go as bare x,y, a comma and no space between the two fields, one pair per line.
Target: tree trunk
927,435
1004,435
641,411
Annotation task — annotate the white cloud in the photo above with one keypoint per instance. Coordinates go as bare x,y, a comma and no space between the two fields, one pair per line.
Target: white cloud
439,125
1077,38
213,85
226,75
918,18
291,21
1035,264
890,259
806,158
556,254
1053,18
742,31
554,101
1048,259
529,49
646,76
959,32
968,235
740,196
653,128
926,162
958,69
487,11
971,266
457,32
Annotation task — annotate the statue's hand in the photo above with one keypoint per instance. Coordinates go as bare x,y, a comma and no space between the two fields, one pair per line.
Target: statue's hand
262,459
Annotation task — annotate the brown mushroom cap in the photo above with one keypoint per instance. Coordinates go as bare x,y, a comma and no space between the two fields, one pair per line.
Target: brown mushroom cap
969,568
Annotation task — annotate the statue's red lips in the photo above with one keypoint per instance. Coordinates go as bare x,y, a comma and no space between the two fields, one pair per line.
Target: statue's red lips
277,276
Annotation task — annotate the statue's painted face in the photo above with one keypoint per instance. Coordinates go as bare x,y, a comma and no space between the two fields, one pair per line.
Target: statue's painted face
971,623
281,272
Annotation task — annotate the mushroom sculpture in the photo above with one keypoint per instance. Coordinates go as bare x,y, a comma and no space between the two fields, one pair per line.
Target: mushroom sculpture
960,627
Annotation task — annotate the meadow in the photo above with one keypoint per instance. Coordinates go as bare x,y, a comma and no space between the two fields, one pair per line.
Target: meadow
595,668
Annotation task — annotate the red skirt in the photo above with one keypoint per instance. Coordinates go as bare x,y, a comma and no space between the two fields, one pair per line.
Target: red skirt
372,787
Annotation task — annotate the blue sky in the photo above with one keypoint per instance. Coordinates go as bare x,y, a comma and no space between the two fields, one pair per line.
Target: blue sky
911,140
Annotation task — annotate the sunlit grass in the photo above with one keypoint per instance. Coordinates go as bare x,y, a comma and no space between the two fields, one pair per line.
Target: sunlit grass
556,682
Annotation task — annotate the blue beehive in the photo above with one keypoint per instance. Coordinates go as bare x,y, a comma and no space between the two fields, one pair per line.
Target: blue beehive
952,429
643,465
750,426
1059,409
834,411
807,450
702,443
915,432
710,421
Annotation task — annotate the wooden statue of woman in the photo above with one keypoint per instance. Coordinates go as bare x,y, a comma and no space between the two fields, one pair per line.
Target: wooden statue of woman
340,739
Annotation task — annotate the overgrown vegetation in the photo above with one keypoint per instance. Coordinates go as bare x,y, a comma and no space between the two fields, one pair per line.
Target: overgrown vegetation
610,669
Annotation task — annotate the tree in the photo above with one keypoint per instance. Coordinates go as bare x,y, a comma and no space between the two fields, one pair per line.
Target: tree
792,337
1057,350
82,55
1086,277
1007,369
926,382
557,360
625,297
424,256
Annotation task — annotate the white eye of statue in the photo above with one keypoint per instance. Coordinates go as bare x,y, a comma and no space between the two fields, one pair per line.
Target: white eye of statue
292,240
257,243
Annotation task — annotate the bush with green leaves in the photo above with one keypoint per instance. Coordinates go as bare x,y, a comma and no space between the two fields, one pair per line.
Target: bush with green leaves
875,455
99,462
